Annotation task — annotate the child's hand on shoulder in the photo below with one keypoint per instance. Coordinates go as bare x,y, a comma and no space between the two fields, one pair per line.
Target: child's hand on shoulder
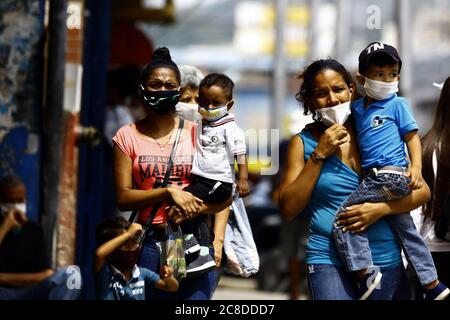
165,272
415,175
242,188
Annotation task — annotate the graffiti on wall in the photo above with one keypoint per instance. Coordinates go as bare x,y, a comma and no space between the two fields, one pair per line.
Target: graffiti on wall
21,51
20,28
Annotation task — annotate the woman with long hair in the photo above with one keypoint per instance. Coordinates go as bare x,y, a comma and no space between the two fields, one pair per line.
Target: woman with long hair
433,219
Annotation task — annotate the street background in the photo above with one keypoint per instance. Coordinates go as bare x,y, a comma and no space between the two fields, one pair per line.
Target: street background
65,66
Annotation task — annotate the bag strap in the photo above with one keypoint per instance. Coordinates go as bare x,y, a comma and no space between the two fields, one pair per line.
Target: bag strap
166,178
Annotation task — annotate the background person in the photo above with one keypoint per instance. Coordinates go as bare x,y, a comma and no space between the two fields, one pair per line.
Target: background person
436,172
25,267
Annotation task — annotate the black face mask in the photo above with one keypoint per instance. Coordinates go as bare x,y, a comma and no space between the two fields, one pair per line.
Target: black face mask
160,102
124,260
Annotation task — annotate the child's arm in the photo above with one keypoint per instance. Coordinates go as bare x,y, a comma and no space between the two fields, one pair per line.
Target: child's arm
242,184
415,153
167,282
106,249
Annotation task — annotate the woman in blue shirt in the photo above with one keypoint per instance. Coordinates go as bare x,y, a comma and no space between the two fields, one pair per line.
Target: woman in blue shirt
322,170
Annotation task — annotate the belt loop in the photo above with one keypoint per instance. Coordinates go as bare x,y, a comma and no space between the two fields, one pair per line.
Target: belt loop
375,171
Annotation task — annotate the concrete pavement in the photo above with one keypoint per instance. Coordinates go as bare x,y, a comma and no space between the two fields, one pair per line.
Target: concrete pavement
236,288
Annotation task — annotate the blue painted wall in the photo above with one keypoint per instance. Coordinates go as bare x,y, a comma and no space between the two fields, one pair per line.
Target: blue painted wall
21,65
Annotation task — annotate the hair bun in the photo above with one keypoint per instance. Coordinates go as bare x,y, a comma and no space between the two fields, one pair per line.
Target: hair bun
162,54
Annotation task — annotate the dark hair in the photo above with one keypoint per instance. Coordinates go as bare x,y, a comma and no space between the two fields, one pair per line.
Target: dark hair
379,59
8,182
438,139
109,229
220,80
305,94
160,59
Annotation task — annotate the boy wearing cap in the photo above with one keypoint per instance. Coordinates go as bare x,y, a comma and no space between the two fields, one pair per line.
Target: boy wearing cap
384,123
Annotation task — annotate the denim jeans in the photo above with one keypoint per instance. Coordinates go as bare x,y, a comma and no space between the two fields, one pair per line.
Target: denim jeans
329,282
200,288
64,284
354,248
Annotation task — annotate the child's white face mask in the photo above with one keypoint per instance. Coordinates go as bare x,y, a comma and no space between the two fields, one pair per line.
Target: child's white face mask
336,114
380,90
213,114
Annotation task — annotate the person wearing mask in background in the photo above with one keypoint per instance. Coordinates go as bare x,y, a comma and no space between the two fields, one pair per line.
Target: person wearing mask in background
187,107
317,186
433,218
141,152
25,267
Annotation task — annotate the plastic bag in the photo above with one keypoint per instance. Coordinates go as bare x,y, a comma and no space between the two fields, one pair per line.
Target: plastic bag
172,251
242,257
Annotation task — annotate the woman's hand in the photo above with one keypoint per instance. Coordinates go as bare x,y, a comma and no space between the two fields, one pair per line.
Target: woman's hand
331,139
178,216
185,201
359,217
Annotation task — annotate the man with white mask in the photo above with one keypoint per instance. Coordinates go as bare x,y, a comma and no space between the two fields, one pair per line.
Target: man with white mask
25,267
384,123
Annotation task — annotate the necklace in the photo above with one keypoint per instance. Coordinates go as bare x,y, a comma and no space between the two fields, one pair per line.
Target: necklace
161,147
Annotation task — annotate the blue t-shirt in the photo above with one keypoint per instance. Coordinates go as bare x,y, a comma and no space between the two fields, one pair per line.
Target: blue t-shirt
380,131
336,182
111,284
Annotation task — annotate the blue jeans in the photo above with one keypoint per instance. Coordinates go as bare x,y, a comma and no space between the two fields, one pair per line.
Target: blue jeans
329,282
64,284
200,288
354,248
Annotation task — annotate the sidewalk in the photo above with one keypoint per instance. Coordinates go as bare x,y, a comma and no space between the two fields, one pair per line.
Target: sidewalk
233,288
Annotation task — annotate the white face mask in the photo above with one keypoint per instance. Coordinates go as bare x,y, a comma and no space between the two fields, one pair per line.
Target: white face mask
5,207
188,111
213,114
336,114
380,90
